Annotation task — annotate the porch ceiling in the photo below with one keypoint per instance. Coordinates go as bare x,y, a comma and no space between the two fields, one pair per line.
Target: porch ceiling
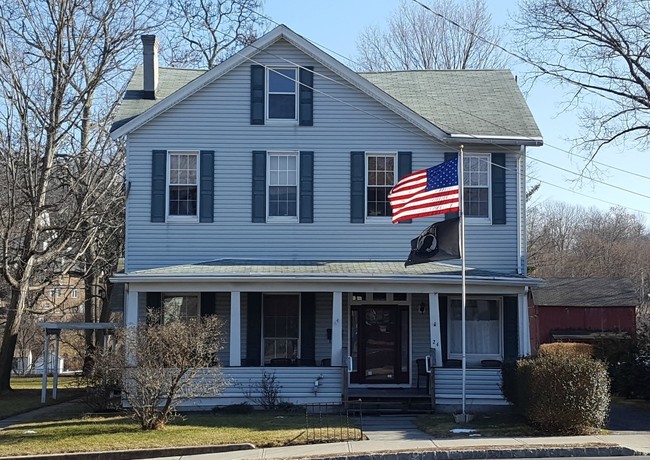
320,270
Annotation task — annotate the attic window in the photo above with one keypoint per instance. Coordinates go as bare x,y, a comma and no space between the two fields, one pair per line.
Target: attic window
281,93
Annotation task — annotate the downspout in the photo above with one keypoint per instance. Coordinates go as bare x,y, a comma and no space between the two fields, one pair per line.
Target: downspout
521,211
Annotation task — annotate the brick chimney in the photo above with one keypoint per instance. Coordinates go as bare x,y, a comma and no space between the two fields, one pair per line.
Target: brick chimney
150,65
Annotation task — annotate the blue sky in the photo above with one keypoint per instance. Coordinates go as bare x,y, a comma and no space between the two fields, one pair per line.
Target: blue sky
336,24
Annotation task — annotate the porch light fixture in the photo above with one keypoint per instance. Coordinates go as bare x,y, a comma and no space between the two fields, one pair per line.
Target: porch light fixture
422,307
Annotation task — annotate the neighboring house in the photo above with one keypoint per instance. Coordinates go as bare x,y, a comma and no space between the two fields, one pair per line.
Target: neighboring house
582,310
61,300
258,192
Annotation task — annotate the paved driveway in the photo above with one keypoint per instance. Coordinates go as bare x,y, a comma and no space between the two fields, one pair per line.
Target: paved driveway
626,417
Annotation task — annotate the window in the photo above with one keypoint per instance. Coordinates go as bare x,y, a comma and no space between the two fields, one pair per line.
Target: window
476,180
183,184
281,327
281,93
179,307
483,328
74,293
380,179
282,186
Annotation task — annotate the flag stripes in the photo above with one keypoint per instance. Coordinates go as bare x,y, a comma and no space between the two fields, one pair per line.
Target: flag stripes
426,192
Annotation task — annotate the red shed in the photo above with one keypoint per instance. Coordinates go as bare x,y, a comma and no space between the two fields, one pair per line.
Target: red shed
582,309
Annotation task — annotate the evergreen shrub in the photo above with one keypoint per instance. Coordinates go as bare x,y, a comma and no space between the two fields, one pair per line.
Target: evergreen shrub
563,393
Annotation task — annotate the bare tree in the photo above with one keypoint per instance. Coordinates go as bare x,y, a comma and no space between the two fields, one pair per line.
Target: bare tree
203,33
416,38
569,240
598,50
57,60
171,363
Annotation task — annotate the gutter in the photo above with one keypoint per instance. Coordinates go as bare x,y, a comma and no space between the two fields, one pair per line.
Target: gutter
503,140
347,279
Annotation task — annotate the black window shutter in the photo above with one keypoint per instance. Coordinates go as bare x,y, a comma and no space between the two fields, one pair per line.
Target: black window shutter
257,95
510,329
158,185
208,303
308,325
154,307
306,94
451,156
206,212
498,188
254,329
306,187
442,302
259,186
357,187
404,168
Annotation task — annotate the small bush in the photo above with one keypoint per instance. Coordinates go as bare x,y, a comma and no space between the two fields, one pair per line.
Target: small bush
566,348
563,393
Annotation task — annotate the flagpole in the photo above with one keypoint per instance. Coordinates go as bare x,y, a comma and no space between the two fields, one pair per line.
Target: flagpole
461,207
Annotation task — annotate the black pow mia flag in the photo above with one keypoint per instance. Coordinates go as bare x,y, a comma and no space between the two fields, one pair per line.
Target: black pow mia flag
438,241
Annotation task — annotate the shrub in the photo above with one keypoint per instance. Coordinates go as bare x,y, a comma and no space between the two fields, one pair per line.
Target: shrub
163,365
563,393
566,348
234,409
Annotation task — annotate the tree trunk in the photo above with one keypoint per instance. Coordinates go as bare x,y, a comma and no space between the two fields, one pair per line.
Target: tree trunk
9,340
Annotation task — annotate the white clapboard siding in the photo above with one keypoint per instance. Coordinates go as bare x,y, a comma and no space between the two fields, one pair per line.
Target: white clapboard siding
218,118
296,386
482,386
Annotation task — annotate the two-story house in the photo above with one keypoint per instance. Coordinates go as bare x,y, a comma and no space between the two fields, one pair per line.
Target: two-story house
257,191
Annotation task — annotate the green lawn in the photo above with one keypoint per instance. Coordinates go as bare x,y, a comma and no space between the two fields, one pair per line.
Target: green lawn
26,394
95,433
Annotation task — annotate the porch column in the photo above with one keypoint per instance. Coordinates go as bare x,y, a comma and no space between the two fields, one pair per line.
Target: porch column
131,308
235,328
55,369
46,352
337,329
131,322
434,330
524,324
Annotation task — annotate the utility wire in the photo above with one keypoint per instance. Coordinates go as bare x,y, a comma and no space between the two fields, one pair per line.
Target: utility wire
431,138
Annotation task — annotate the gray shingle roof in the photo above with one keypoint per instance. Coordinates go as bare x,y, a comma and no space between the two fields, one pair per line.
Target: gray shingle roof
586,292
474,102
169,81
311,268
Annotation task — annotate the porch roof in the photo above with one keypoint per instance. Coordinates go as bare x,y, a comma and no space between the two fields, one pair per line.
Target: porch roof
312,270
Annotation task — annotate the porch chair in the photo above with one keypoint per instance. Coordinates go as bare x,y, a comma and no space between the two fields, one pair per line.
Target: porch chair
422,371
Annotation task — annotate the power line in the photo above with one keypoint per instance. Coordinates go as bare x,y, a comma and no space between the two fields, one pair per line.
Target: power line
432,138
560,149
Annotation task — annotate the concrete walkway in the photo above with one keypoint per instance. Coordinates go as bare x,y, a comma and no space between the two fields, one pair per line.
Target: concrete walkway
565,446
392,428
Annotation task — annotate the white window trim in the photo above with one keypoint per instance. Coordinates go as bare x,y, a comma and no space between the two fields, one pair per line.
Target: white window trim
74,293
183,219
179,294
280,121
299,349
282,219
475,358
487,157
377,219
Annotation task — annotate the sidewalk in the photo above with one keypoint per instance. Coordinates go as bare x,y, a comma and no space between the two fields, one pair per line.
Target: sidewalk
397,438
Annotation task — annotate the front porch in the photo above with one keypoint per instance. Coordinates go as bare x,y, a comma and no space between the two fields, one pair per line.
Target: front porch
348,336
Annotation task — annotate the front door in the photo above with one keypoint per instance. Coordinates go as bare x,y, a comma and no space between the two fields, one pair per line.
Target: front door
379,343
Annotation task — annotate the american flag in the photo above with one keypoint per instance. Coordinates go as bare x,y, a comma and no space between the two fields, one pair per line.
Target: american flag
427,192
